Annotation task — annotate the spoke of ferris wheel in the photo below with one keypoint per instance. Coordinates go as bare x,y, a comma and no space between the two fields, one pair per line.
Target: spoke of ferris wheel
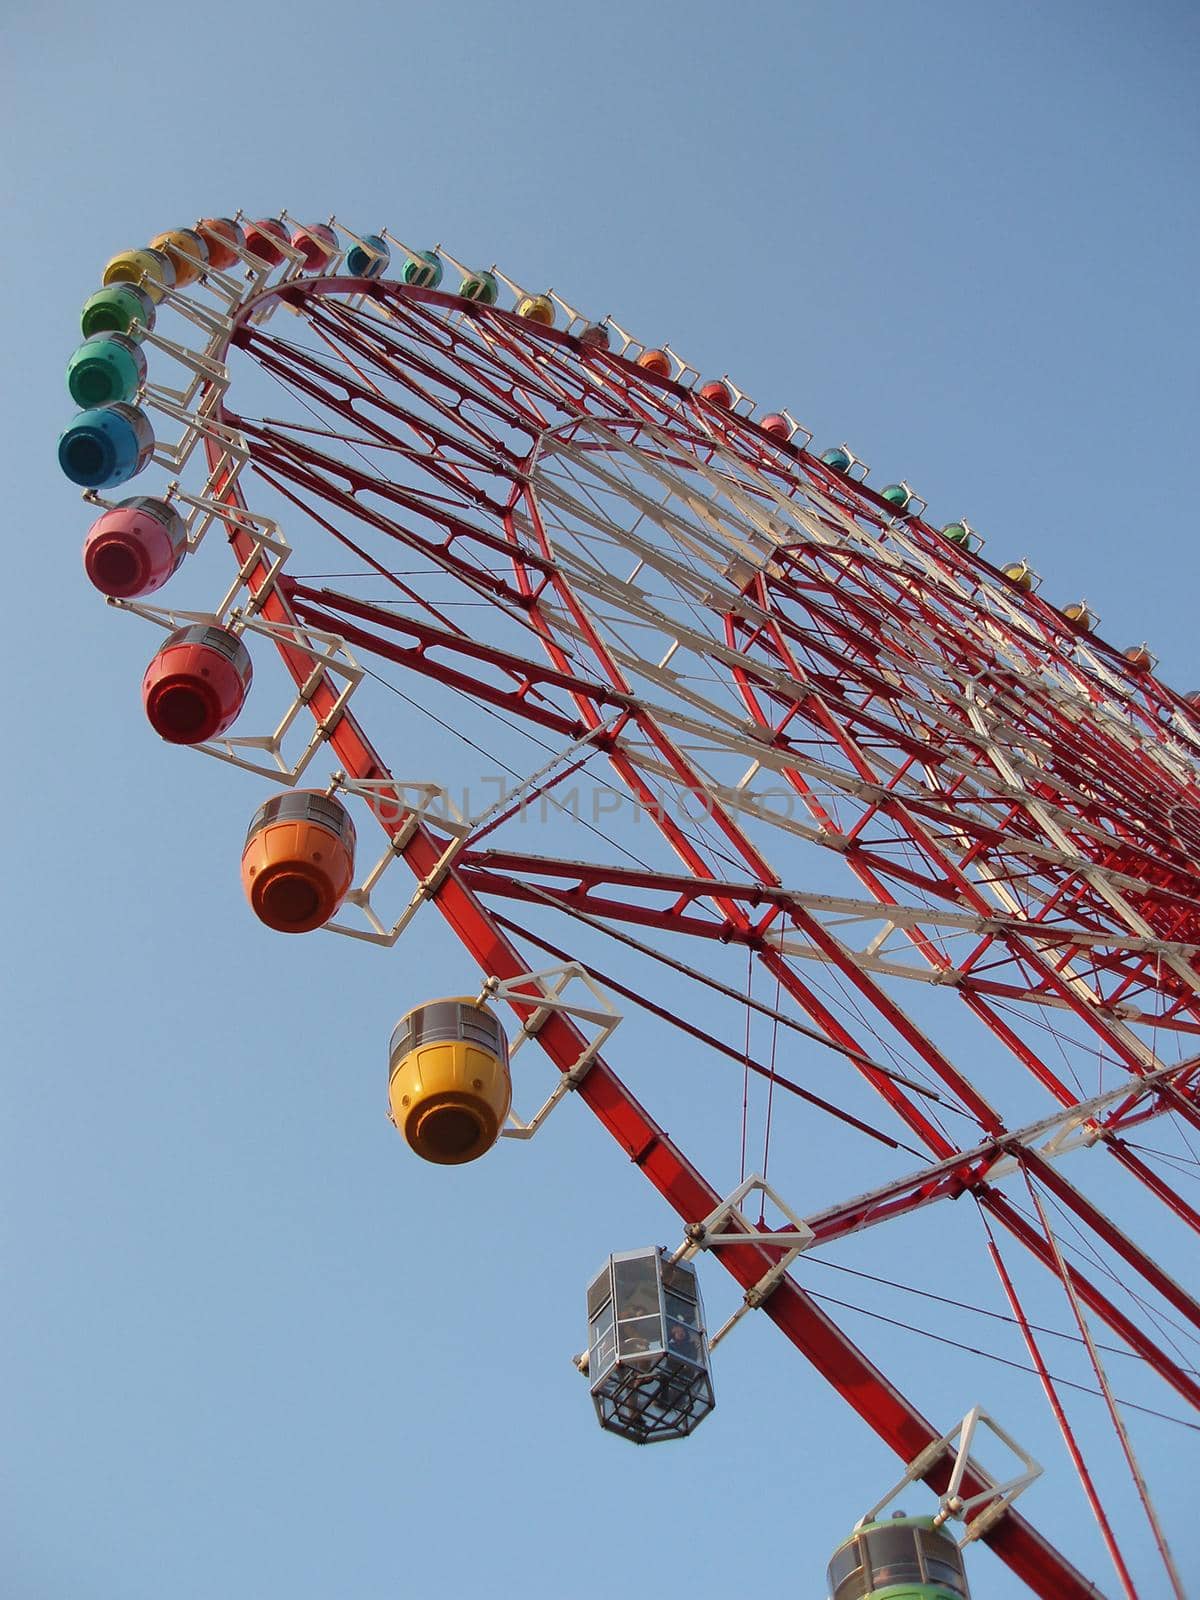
761,1008
718,527
522,668
1002,888
1045,853
1131,1044
932,1056
608,981
1078,1125
843,911
481,580
296,368
1079,1120
1002,1210
1076,1454
462,424
1034,1164
739,742
535,384
471,449
864,1210
1137,924
1114,1411
298,373
474,581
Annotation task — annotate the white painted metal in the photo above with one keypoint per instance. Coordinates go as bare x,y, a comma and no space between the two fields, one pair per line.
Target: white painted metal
547,992
978,1511
727,1223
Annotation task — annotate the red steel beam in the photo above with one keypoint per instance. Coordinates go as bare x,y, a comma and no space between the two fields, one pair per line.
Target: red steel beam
864,767
1043,1568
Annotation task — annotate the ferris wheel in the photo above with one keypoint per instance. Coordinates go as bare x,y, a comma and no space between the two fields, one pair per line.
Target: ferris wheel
820,791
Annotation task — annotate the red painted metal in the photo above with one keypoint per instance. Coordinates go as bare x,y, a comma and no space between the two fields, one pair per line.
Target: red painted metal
1044,1569
1106,1229
1060,1416
887,669
1170,1570
1003,1210
483,388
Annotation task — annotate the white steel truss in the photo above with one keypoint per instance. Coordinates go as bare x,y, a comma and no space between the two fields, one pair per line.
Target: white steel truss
977,1511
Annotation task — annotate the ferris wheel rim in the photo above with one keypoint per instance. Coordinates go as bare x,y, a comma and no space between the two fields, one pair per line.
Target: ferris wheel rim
648,1154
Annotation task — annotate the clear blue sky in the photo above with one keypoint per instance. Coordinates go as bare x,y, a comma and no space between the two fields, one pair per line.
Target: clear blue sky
252,1348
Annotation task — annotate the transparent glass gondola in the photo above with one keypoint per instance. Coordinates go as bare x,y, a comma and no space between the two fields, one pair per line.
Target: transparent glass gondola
648,1357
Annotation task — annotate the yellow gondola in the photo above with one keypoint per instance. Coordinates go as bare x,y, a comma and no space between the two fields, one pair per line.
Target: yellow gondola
449,1087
